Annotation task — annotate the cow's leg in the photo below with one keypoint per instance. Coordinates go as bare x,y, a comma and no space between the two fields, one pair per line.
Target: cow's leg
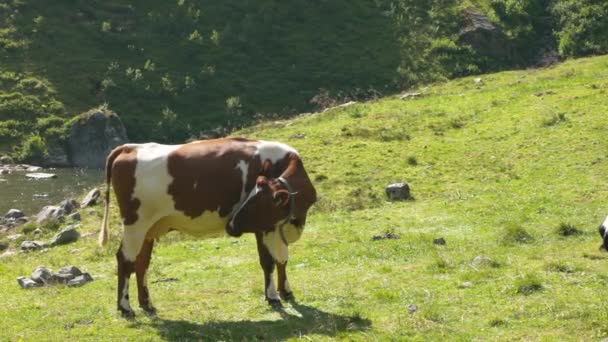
267,263
141,268
132,240
284,289
125,268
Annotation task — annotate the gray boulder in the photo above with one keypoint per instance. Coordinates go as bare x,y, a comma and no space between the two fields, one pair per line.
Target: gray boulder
74,216
73,270
40,175
482,36
50,212
69,206
91,198
3,245
42,275
67,235
93,136
398,191
32,245
14,214
57,156
80,280
27,283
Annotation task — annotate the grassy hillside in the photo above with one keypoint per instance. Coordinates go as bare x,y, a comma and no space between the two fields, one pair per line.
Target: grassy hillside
503,168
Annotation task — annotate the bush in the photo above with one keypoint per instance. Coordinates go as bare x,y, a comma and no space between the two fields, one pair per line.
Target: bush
33,149
582,26
516,234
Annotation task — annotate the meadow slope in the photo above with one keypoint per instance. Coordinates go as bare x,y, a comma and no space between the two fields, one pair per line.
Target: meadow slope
502,168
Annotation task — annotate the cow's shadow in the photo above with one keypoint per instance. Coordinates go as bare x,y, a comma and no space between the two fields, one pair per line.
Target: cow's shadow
306,320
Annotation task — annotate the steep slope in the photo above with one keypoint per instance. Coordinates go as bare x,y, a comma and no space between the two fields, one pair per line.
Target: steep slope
510,170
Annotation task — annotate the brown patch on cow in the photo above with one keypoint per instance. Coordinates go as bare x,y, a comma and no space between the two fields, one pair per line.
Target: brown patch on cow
206,177
123,181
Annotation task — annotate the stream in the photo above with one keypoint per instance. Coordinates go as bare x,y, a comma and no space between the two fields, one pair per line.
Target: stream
30,195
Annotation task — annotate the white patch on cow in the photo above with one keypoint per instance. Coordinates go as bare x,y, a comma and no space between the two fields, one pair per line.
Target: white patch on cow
271,291
151,182
273,151
287,287
276,246
605,224
124,301
244,167
210,224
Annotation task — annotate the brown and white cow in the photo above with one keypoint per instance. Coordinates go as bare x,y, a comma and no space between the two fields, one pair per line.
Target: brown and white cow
204,188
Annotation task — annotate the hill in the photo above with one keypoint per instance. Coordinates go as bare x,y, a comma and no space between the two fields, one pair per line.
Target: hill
178,69
509,169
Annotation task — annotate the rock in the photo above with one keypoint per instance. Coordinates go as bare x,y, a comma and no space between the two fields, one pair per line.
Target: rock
32,245
14,214
3,245
5,171
62,278
22,220
37,231
350,103
387,235
33,169
14,237
57,156
26,283
67,235
91,198
298,136
73,270
93,136
50,212
69,206
412,308
408,96
481,261
42,275
483,36
477,80
466,285
75,250
398,191
439,241
74,216
5,160
40,175
7,254
80,280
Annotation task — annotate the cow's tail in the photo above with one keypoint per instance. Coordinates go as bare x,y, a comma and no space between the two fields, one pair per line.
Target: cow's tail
103,233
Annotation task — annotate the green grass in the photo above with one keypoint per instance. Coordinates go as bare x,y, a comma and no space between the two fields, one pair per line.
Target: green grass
490,178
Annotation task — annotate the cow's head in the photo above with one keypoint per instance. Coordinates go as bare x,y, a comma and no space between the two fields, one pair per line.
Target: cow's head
602,230
267,204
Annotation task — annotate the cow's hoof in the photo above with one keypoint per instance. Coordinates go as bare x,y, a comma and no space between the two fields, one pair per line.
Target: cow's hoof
287,296
275,303
128,314
149,310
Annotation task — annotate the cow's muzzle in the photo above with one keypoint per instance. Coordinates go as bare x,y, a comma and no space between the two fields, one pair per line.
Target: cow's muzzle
231,230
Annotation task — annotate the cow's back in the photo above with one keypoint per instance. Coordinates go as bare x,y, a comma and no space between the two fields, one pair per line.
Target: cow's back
190,187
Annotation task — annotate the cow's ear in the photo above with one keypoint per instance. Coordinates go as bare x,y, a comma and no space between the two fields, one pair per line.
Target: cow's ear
266,167
280,198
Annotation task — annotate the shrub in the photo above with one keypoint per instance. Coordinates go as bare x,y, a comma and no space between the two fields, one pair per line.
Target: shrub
566,229
33,149
582,26
528,285
516,234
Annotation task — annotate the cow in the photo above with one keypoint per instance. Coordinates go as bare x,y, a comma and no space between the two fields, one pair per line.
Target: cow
602,230
205,188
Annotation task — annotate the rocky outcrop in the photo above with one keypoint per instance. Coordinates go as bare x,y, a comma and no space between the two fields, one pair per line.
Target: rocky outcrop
483,36
93,136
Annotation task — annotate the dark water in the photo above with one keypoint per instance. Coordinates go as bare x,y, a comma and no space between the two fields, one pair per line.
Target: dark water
28,195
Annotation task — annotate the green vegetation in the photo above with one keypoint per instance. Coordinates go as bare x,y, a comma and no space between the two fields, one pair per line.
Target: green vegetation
502,173
173,70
